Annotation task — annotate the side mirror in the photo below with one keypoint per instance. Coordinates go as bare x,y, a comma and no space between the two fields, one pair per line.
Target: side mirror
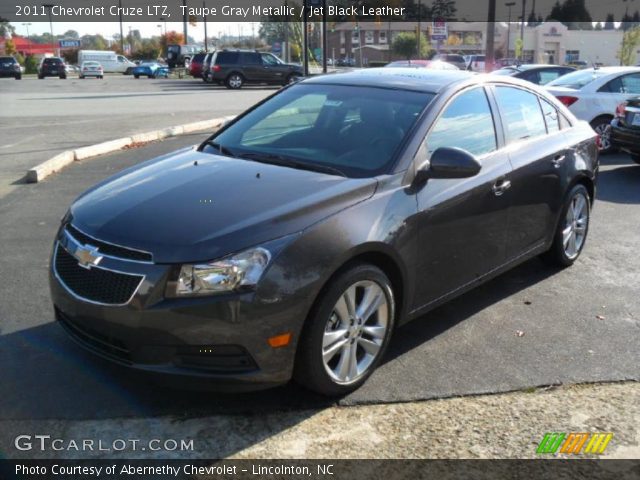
449,162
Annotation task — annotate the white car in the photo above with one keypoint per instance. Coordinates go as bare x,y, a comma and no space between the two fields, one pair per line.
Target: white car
476,63
593,94
91,69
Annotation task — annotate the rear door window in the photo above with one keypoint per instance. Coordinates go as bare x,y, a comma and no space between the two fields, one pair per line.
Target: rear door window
227,58
467,123
521,114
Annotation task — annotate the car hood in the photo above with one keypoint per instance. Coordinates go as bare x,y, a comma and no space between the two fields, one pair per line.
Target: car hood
192,206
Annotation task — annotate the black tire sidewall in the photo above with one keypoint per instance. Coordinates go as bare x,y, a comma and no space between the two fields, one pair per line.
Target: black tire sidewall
309,368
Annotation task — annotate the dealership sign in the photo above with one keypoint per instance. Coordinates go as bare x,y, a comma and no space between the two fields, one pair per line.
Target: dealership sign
69,43
439,30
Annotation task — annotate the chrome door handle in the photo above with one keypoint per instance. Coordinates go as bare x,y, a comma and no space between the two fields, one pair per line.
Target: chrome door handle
501,186
557,160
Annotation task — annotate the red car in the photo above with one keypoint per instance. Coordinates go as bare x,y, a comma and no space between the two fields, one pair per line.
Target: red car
195,67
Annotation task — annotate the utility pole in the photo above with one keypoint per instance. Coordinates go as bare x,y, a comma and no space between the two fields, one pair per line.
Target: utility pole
185,21
324,36
286,34
418,53
524,3
204,20
121,34
305,39
490,46
509,4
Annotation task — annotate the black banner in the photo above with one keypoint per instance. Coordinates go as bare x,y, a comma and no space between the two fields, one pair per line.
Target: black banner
580,11
319,469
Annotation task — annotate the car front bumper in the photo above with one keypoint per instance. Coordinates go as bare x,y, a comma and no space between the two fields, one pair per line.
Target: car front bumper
625,138
211,343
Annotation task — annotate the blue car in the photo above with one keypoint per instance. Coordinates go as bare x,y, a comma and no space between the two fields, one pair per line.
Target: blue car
151,70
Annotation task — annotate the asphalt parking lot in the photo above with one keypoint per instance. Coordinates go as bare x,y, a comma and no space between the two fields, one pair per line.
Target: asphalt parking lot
40,118
532,326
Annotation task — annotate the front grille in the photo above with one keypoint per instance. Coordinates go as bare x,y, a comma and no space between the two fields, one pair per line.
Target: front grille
95,284
94,340
109,249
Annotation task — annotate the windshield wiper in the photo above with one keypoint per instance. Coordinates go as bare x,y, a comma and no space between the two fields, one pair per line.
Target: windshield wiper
222,149
284,161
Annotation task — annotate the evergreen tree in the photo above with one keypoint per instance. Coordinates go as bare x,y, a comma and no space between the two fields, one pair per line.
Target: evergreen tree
444,10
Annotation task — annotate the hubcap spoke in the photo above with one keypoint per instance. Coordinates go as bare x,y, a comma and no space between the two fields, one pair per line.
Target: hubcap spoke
333,336
566,235
353,362
375,331
330,352
370,347
343,364
372,300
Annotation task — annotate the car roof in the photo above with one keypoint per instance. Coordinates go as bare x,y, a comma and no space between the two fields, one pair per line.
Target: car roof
531,66
417,79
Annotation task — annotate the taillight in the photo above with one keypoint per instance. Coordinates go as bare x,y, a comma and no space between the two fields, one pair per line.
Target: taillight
620,110
566,100
216,68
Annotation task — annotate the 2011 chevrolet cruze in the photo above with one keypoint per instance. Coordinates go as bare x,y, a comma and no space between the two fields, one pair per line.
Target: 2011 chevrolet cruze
298,237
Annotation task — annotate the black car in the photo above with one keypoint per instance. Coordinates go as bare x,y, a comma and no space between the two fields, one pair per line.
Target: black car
535,73
625,128
9,67
234,68
296,238
52,67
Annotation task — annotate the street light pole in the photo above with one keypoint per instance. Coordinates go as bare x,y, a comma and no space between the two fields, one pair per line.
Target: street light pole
490,45
28,36
204,20
509,4
50,6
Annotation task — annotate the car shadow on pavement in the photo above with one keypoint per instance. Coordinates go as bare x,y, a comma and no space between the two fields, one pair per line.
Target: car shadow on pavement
620,184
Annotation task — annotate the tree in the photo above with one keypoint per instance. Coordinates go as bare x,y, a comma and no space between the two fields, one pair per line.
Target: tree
444,10
9,47
30,64
609,22
171,38
630,43
6,28
405,45
71,34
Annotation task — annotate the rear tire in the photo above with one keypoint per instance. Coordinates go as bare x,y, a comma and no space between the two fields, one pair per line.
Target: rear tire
571,232
18,77
602,126
347,332
136,77
235,81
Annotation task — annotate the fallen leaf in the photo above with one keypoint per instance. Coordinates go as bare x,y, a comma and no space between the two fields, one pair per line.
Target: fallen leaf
600,317
519,333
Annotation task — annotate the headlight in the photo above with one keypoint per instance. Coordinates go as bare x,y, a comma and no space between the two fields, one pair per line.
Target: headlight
235,272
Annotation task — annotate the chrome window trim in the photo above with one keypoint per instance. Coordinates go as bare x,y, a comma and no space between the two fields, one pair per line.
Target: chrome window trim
94,302
146,262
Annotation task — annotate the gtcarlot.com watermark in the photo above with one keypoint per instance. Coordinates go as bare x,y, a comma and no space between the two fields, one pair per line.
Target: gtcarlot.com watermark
46,443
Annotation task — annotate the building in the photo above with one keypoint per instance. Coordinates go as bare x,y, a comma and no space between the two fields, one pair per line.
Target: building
550,42
25,47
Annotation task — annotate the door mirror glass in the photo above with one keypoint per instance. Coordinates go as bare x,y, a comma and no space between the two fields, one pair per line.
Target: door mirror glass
449,162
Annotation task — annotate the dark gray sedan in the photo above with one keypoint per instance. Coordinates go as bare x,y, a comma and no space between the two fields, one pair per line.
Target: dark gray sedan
298,237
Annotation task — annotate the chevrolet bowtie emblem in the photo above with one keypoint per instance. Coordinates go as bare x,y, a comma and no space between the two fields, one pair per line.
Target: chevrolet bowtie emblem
87,256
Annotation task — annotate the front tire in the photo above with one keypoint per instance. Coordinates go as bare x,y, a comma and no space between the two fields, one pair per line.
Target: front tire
347,332
572,229
235,81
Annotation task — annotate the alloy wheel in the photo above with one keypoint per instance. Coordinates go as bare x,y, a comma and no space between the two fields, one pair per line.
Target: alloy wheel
575,226
355,331
235,81
604,131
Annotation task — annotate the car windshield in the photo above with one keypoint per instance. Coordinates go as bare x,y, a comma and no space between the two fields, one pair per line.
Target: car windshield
577,80
348,130
7,59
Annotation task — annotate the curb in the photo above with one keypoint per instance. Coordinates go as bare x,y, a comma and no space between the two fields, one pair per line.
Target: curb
63,159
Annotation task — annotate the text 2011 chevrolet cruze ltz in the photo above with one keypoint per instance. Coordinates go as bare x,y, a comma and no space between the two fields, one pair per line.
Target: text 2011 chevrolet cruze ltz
298,237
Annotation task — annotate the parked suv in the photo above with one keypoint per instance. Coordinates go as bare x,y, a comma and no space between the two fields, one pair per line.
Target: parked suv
234,68
52,67
9,67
